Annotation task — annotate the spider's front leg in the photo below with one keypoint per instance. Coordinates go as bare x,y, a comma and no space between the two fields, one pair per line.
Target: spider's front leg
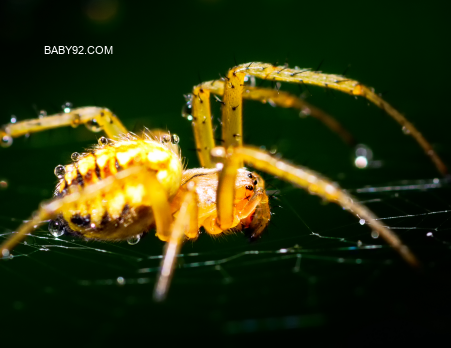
299,176
94,118
185,224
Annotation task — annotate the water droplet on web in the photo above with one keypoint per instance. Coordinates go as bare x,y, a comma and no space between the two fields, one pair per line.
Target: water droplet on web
405,130
13,119
103,141
5,252
429,234
305,111
134,240
175,139
374,234
75,156
359,243
93,126
364,155
165,138
273,150
56,228
7,140
59,171
3,184
42,113
362,222
120,280
67,106
187,110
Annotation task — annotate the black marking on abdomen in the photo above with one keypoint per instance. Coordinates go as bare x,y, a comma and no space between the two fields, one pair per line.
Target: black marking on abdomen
80,221
79,180
124,213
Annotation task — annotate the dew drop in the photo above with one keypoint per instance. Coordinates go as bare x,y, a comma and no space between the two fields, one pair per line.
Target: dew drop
7,140
359,243
120,280
429,234
56,228
75,156
405,130
305,112
175,139
103,141
3,184
13,119
273,150
361,162
42,113
93,126
5,252
165,138
362,222
67,106
59,171
187,110
134,240
374,235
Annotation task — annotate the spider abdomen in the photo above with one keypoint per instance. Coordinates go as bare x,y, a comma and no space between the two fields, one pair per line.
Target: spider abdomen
123,210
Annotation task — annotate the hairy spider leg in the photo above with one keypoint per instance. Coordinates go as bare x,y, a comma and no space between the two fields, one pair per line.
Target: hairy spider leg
185,224
202,127
94,118
155,197
302,177
203,130
265,71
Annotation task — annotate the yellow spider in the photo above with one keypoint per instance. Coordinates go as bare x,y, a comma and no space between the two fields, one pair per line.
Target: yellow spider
127,185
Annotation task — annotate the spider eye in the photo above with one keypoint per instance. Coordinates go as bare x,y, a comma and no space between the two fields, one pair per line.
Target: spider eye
250,176
249,187
255,182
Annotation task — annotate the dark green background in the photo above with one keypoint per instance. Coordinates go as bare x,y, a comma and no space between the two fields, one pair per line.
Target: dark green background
160,50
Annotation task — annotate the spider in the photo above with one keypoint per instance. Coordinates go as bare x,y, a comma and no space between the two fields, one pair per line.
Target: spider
128,184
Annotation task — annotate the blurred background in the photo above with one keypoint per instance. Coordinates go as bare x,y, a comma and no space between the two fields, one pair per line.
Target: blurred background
91,293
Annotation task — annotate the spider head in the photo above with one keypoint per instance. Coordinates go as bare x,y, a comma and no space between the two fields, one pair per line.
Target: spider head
257,221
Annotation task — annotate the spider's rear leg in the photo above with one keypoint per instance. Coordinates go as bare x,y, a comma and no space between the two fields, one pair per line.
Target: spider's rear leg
155,197
185,224
94,118
340,83
302,177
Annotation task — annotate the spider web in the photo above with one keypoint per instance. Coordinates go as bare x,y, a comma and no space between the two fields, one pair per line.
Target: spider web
316,266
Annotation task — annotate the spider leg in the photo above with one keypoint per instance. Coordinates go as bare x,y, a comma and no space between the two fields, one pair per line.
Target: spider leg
306,76
185,224
156,198
285,100
300,176
202,127
94,118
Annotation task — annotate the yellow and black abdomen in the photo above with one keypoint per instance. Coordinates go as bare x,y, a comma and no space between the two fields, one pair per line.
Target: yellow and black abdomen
119,212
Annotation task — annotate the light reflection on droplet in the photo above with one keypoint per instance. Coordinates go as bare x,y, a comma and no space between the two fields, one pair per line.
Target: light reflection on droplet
429,234
362,222
361,162
374,234
120,280
134,240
